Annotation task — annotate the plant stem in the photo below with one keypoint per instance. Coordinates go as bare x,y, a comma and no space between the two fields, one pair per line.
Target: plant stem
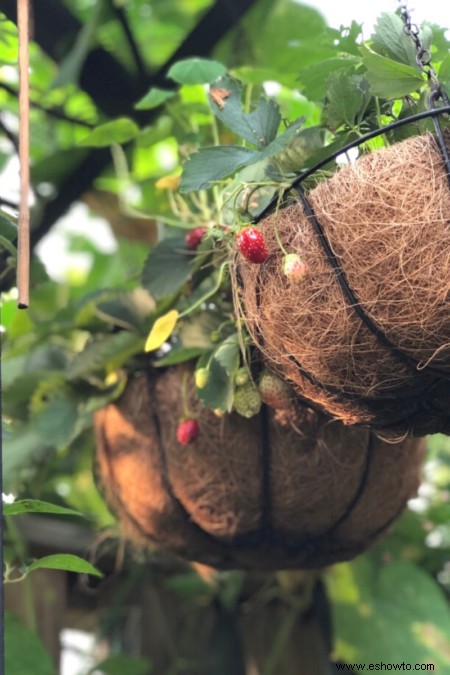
281,638
277,237
215,190
207,295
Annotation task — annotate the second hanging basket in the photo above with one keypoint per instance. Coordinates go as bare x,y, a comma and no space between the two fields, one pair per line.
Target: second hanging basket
248,493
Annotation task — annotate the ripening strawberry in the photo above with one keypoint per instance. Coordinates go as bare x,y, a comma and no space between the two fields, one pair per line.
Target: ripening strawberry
187,431
252,245
274,392
194,237
294,268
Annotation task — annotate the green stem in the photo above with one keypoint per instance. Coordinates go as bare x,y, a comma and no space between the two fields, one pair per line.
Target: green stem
215,190
280,641
248,98
209,293
179,118
122,172
184,395
20,551
277,237
377,107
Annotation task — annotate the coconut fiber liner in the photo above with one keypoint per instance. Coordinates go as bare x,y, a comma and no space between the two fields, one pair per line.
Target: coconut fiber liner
248,493
366,334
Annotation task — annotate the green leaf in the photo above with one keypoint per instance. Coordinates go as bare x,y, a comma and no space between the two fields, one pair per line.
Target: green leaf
314,78
109,350
55,421
390,612
6,244
218,392
297,153
195,331
196,71
127,310
19,390
20,452
389,79
347,99
160,130
24,652
257,76
154,98
167,268
36,506
389,39
119,131
444,72
282,35
228,354
258,127
8,229
120,664
190,587
179,355
65,561
208,165
50,357
281,141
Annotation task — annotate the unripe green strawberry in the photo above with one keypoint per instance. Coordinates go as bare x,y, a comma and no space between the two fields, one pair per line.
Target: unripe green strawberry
241,377
201,378
294,268
247,400
274,391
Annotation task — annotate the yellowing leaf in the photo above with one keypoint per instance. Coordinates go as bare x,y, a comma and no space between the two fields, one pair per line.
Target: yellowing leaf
161,330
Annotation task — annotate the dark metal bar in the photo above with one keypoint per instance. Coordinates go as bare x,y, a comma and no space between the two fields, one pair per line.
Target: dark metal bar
355,304
266,488
359,491
354,144
434,96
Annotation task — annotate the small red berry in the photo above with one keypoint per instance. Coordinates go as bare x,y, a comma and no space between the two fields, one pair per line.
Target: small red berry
194,237
252,245
187,431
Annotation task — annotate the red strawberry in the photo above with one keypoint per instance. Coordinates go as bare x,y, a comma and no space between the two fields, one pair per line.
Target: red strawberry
252,245
194,237
187,431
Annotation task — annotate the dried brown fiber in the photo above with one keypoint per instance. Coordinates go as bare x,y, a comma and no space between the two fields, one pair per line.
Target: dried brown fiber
248,493
387,219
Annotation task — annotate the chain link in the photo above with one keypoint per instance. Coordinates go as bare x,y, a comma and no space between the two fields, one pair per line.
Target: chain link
423,55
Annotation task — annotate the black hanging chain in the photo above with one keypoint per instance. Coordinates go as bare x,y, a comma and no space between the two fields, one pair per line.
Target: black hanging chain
423,60
423,55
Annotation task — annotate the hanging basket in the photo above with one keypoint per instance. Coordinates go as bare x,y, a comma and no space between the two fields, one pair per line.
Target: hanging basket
365,334
255,493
